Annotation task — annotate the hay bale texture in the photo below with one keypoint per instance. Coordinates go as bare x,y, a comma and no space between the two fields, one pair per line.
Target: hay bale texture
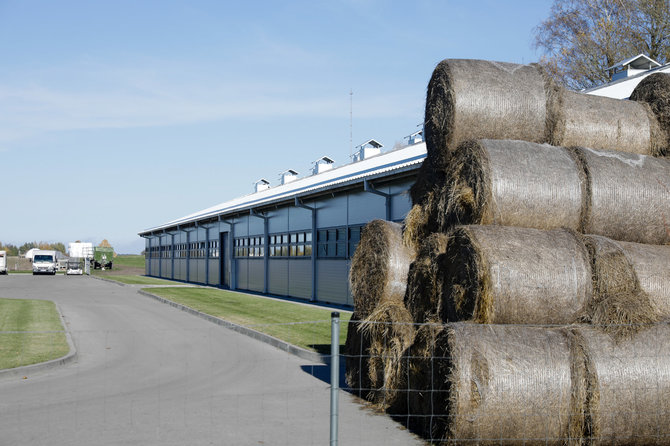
477,99
507,275
631,387
473,99
379,266
497,384
655,91
515,183
425,280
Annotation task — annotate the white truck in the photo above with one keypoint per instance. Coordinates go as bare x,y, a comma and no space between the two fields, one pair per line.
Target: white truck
3,262
45,262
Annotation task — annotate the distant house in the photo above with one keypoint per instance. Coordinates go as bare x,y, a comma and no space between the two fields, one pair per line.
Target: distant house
626,75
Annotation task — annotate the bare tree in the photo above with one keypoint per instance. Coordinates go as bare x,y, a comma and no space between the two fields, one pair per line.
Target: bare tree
581,38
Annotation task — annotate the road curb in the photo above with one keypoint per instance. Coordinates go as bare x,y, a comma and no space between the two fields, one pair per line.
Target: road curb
107,280
271,340
69,357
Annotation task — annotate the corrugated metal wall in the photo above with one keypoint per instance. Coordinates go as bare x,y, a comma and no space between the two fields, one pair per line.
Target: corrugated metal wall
278,277
332,281
300,278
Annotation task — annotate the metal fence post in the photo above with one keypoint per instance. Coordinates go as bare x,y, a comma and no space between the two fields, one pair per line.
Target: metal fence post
334,374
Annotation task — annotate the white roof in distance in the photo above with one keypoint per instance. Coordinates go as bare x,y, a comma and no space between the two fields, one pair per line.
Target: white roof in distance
407,157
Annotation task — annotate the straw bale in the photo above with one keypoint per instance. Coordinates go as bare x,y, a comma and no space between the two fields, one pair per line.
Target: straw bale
357,357
511,183
651,264
629,196
619,304
390,329
503,384
654,90
424,280
428,179
472,99
416,365
379,266
631,387
508,275
417,226
605,123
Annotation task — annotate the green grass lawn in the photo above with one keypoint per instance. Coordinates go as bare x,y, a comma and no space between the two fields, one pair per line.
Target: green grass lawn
129,260
30,332
283,320
139,280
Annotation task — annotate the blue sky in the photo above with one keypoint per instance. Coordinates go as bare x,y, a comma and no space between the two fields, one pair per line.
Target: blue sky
119,116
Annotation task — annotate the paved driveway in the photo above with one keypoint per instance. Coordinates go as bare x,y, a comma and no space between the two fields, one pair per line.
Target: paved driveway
149,374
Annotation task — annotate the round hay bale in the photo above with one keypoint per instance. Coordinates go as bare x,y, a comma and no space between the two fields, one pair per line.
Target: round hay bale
511,183
357,357
631,388
428,179
503,384
651,264
424,280
379,266
629,196
619,304
472,99
605,123
508,275
654,90
417,226
390,329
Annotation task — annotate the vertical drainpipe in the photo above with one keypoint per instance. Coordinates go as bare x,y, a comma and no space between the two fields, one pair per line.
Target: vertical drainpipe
266,258
231,251
206,255
172,256
149,254
299,204
368,187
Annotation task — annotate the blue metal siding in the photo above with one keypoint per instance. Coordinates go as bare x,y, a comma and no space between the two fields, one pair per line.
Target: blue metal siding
332,212
278,277
213,272
299,219
300,278
242,274
333,282
365,206
256,275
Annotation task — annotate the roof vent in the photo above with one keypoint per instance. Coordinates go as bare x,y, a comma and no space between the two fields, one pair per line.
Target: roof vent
631,67
367,149
322,164
288,175
415,138
261,184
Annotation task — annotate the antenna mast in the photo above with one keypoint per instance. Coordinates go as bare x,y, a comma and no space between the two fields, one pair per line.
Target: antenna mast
351,122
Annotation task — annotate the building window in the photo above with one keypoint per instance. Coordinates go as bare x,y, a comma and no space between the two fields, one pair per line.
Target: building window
291,244
213,249
249,246
340,242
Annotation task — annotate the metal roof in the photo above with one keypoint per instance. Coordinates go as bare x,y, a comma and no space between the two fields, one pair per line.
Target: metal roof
396,161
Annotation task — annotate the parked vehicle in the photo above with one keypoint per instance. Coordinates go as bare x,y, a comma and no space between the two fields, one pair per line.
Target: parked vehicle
103,257
3,262
74,267
45,262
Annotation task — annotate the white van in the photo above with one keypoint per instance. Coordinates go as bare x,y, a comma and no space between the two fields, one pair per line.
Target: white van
44,262
74,267
3,262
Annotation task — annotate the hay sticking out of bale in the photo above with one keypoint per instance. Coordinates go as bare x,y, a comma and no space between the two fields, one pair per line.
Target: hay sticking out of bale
632,404
390,329
428,179
357,357
424,280
497,384
654,90
472,99
619,305
605,123
507,275
514,183
379,266
511,183
630,196
417,226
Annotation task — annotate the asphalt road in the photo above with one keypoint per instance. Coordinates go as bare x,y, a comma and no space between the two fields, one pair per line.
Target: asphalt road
149,374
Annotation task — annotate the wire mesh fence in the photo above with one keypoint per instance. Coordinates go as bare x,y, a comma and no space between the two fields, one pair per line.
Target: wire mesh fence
467,383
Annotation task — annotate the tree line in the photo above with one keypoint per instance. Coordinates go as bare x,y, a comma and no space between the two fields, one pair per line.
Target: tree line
13,250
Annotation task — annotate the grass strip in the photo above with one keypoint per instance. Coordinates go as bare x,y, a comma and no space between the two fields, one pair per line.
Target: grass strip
30,332
288,321
139,280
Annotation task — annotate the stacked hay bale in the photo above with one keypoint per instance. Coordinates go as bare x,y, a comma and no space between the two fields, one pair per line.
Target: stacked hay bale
541,270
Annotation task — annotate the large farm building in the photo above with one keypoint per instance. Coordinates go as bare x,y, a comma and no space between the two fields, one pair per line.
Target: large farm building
297,239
